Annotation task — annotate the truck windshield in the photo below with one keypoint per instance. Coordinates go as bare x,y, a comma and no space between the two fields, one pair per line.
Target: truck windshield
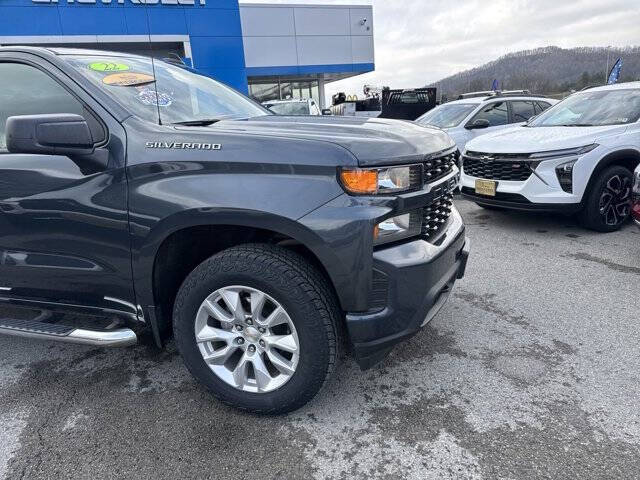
290,108
597,108
174,94
446,116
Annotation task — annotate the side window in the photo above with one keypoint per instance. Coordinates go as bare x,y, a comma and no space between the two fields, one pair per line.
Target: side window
495,113
25,90
522,111
541,107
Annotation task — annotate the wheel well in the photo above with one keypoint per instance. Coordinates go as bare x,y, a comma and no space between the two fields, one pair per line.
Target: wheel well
185,249
629,159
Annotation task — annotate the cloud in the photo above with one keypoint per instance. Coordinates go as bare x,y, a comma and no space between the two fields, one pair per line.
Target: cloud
421,41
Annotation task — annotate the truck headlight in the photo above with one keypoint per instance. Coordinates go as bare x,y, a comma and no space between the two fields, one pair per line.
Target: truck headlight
398,228
381,181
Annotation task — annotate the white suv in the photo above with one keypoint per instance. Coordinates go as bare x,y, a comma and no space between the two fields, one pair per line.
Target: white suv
479,113
576,157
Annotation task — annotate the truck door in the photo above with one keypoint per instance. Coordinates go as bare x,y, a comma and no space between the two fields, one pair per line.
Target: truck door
64,237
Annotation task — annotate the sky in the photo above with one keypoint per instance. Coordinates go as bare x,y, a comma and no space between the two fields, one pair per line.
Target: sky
418,42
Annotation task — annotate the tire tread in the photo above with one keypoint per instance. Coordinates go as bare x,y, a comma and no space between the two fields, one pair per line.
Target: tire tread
298,270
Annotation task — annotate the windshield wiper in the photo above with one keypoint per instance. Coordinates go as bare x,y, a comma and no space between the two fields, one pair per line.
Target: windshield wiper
203,122
577,125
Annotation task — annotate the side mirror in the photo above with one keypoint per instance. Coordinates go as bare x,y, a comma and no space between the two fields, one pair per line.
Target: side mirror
326,111
56,134
479,123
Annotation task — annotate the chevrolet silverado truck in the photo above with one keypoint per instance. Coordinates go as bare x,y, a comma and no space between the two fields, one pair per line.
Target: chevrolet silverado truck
140,200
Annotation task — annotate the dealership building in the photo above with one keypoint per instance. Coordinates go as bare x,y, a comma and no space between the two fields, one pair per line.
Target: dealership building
270,51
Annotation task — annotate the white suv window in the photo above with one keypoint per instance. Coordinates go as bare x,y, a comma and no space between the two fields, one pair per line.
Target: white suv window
541,106
495,113
522,110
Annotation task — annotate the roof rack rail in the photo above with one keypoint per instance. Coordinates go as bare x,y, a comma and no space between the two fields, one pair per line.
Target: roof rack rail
486,93
498,93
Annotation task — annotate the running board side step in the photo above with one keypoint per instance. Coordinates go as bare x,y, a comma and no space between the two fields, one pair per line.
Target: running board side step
120,337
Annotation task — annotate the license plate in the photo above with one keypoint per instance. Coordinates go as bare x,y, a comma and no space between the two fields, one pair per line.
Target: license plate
486,187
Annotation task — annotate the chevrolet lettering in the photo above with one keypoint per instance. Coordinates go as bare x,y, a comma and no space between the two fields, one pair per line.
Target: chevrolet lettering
184,146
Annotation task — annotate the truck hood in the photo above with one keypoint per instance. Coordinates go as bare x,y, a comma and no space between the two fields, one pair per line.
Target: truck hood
540,139
373,141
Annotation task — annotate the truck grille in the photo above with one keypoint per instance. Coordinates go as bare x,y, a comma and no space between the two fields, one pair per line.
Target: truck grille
436,216
494,167
438,167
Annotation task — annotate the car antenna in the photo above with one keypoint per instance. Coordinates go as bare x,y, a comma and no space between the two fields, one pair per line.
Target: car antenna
153,65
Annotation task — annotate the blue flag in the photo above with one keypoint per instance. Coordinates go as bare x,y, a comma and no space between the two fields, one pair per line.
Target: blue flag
494,85
614,74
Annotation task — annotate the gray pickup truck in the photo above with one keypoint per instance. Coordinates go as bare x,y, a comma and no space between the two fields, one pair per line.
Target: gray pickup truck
141,200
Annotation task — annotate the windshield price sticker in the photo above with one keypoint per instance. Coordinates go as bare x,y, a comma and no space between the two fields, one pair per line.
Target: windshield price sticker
127,79
108,67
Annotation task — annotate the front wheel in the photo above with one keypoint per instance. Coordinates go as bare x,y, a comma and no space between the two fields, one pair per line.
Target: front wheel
608,202
257,325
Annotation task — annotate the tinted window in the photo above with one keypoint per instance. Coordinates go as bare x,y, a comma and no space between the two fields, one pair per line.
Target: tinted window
522,111
494,113
25,90
541,107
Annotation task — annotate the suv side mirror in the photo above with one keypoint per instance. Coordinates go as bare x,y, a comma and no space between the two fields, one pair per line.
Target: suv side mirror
55,134
326,111
479,123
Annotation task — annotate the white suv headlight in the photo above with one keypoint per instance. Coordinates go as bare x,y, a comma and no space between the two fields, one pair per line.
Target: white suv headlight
565,152
564,172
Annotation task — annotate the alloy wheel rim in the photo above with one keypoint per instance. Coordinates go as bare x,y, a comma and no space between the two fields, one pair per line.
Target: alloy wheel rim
247,339
615,200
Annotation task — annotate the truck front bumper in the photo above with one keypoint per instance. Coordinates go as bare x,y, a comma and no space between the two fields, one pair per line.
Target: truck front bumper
420,277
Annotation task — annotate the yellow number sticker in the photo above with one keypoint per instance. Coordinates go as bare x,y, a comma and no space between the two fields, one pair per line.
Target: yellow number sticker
108,67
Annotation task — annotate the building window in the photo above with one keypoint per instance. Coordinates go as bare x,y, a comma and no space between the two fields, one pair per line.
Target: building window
283,89
264,91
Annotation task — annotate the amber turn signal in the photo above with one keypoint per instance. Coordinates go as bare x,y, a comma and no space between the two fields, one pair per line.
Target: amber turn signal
360,181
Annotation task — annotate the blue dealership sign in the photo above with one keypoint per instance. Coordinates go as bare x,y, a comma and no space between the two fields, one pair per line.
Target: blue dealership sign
209,30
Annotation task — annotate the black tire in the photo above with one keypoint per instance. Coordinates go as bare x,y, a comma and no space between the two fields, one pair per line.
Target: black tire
488,207
304,293
612,179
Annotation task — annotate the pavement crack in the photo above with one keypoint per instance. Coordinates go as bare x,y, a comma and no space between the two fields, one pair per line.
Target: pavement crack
486,303
618,267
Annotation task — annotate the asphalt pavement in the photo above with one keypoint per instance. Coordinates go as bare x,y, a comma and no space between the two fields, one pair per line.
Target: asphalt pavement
532,370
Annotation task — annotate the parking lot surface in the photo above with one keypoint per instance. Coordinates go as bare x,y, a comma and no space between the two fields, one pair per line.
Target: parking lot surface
532,370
